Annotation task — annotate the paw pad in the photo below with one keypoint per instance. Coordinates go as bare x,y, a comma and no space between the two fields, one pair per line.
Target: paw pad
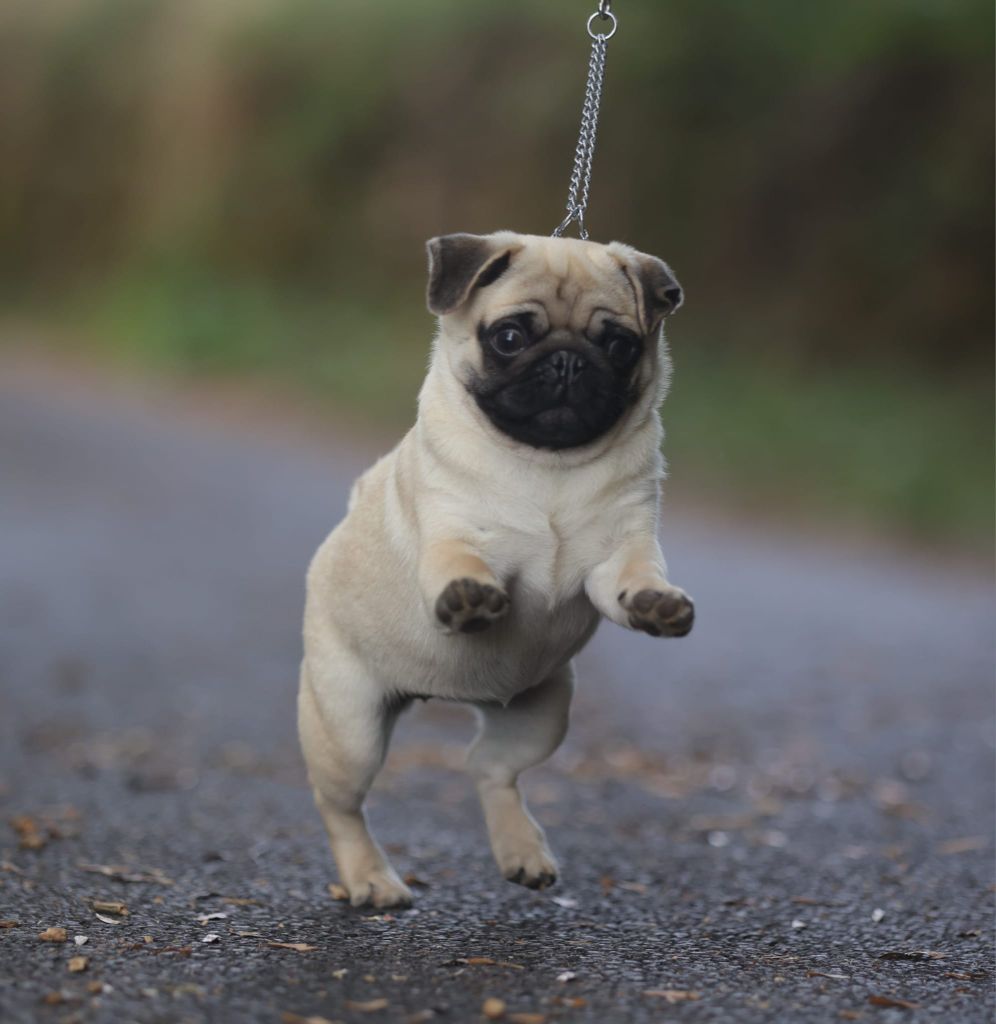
466,606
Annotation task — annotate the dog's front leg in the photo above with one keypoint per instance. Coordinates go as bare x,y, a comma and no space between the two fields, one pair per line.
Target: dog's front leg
631,588
461,592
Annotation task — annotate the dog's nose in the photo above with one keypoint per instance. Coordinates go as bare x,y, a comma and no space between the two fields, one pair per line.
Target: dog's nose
568,365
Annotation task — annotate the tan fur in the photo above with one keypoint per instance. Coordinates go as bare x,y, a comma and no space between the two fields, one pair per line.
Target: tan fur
562,534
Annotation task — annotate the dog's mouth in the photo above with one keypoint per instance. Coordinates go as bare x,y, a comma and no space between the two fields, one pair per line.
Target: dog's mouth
554,410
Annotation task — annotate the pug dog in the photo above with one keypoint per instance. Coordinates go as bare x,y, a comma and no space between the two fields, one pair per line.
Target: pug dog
478,557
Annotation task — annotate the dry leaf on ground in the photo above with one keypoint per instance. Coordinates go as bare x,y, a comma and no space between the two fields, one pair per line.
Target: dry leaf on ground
966,844
77,964
493,1009
53,935
367,1005
674,995
28,832
122,873
9,924
913,954
298,947
900,1004
110,907
527,1018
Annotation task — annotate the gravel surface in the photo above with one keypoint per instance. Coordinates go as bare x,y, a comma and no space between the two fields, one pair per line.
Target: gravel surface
787,816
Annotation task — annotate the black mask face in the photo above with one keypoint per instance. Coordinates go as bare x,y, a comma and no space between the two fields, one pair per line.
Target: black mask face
561,390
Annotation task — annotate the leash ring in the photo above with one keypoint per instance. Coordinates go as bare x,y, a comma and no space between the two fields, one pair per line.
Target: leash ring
603,15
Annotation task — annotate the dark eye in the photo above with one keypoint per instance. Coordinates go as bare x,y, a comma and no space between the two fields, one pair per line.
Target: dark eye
508,339
622,350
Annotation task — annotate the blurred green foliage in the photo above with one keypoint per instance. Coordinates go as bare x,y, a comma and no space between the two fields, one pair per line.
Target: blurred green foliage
219,187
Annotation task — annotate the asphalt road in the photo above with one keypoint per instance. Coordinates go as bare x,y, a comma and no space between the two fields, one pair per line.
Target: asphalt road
787,816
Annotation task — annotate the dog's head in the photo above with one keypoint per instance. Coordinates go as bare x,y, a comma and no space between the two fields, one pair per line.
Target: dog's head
554,338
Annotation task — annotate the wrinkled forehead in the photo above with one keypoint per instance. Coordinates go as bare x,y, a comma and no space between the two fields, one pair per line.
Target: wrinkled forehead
564,283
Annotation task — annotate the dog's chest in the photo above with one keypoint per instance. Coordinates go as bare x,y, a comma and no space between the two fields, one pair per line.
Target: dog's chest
547,551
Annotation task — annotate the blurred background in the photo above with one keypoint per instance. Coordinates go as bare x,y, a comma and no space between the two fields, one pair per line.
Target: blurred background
211,190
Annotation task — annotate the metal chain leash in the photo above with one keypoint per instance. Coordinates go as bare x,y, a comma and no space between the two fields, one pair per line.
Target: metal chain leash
577,195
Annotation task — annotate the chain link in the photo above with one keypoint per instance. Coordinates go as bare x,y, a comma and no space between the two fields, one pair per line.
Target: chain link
580,186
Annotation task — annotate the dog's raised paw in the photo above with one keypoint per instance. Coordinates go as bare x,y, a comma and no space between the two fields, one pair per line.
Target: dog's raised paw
466,606
669,612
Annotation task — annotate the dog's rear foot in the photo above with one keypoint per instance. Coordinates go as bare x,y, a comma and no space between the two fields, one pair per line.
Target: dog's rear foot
380,888
466,606
533,865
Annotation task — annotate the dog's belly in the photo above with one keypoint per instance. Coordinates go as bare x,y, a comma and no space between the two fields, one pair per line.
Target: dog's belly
514,654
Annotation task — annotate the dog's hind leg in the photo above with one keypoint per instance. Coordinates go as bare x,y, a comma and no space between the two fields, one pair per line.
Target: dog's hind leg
345,726
513,738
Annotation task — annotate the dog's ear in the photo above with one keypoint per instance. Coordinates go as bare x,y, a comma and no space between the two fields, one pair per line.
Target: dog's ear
657,288
460,263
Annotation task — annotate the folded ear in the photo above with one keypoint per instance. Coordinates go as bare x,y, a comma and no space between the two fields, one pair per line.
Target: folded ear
460,263
657,288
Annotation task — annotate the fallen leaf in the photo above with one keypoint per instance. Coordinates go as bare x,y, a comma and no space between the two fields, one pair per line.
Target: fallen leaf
179,950
110,907
367,1005
10,924
53,935
106,919
527,1018
122,873
913,954
77,964
480,961
674,995
493,1008
966,844
55,998
966,975
899,1004
823,974
340,973
412,879
95,987
28,832
217,916
298,947
638,887
338,892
